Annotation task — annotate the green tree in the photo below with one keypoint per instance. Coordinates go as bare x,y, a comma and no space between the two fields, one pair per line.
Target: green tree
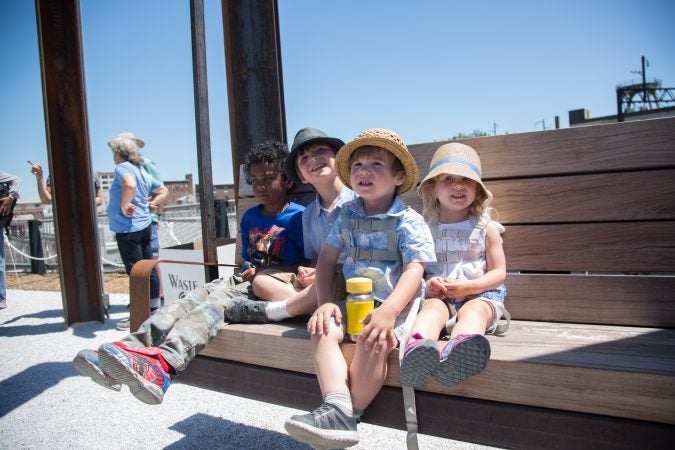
473,134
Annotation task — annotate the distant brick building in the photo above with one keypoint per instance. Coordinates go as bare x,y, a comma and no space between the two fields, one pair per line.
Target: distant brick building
180,192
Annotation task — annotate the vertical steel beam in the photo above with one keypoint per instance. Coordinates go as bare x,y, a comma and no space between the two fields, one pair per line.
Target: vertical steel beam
203,138
67,132
254,78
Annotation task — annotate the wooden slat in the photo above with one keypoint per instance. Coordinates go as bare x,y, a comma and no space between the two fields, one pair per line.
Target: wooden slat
635,300
645,195
615,371
613,147
609,247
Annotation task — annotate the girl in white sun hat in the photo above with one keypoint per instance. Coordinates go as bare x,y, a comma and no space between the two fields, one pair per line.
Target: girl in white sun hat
468,276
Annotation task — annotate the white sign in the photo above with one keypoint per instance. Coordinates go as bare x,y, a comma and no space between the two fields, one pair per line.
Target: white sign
179,279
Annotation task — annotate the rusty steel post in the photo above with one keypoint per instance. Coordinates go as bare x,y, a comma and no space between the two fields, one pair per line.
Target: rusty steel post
254,78
205,191
60,42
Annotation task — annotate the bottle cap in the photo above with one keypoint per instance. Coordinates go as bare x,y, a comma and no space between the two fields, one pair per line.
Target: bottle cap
359,285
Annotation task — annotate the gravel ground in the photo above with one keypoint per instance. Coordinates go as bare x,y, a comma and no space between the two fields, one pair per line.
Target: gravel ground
114,282
45,404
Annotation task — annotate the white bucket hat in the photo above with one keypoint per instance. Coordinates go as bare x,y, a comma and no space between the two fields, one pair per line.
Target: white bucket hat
126,136
455,159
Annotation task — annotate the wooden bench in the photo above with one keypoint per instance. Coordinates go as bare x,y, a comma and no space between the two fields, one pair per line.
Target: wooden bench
589,360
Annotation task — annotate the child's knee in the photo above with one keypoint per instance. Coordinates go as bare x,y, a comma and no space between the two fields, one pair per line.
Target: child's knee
335,334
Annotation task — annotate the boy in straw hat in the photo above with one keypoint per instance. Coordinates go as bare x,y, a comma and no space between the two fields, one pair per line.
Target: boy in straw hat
311,161
384,240
468,277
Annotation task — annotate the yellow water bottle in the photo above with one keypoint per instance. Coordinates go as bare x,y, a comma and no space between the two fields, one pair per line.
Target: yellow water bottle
359,304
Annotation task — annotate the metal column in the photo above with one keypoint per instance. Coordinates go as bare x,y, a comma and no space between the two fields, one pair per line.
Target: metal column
60,40
254,78
205,187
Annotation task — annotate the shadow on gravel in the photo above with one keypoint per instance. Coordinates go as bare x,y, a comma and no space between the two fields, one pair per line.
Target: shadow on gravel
207,432
26,385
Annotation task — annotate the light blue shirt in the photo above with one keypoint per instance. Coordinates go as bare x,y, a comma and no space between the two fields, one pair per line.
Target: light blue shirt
317,222
145,185
414,243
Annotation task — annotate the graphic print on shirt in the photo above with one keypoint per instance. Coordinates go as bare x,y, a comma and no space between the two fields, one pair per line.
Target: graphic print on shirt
266,246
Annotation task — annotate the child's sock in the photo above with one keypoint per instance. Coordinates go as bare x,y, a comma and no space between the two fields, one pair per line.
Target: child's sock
341,401
276,311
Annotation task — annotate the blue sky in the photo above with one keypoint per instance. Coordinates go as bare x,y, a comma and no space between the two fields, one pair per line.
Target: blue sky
427,69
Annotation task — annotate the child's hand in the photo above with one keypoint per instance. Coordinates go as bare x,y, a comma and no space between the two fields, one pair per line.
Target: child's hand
436,287
457,288
306,276
378,330
247,271
319,323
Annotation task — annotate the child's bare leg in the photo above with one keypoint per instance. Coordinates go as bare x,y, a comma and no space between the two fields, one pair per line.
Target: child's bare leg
329,363
266,287
303,302
367,373
431,319
473,318
332,424
421,357
468,351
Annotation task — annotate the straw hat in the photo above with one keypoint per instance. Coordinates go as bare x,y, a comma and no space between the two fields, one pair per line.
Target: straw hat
126,135
303,138
386,139
455,159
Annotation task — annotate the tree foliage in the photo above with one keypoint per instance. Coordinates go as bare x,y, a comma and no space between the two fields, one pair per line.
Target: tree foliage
475,133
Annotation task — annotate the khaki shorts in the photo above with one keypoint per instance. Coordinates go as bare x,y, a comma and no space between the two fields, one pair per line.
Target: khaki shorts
285,277
290,278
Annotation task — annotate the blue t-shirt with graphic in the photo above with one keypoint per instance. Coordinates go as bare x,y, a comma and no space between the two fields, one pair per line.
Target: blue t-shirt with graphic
272,240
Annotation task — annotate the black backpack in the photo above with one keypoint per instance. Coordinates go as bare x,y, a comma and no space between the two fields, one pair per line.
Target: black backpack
6,219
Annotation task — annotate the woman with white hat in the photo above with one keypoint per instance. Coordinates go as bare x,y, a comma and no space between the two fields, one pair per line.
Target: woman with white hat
129,209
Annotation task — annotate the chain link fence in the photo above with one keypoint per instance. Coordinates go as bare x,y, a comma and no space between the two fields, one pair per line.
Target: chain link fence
178,225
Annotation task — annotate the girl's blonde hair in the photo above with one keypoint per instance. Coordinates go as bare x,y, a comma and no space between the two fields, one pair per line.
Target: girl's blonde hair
431,207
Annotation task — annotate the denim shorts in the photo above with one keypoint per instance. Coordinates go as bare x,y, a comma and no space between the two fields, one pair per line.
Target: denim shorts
154,240
495,298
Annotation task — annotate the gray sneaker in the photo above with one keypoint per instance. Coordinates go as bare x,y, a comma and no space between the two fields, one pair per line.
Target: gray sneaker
86,363
420,360
461,358
3,303
242,310
325,427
